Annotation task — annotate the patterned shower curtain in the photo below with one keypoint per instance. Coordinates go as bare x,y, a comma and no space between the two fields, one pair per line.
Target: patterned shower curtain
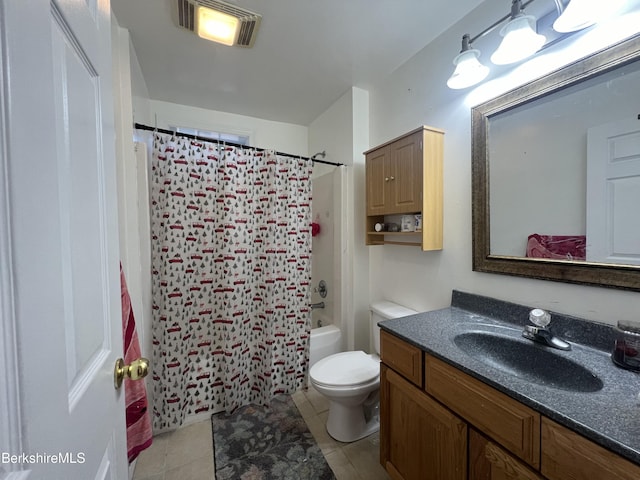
231,248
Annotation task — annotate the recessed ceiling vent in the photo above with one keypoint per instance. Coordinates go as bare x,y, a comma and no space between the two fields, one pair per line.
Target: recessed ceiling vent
192,15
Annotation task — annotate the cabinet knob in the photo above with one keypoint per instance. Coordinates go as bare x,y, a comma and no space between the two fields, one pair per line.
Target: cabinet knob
393,178
386,179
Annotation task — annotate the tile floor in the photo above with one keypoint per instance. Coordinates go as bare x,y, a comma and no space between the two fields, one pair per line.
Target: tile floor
187,453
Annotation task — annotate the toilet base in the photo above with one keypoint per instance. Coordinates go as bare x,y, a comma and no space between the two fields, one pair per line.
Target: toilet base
348,423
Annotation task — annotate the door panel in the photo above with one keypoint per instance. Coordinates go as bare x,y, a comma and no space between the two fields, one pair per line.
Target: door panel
613,192
377,182
421,440
407,174
81,192
63,231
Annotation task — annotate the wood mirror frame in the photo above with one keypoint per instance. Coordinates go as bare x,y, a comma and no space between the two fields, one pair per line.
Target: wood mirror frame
579,272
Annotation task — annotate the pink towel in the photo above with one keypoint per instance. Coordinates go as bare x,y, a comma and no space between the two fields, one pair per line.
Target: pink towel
559,247
139,434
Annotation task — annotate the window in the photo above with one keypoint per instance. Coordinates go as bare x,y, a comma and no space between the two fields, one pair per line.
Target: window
220,136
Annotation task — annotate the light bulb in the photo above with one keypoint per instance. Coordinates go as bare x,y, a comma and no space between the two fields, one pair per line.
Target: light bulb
469,70
581,14
520,40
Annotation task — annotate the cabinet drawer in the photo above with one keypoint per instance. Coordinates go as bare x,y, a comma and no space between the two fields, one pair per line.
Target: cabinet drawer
513,425
402,357
569,456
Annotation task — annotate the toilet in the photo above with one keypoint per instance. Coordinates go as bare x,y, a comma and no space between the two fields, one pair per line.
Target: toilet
351,381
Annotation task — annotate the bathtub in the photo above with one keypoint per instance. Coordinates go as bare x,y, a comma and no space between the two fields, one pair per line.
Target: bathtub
324,341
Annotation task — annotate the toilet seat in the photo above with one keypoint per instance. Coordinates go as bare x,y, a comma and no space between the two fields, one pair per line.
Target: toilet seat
346,369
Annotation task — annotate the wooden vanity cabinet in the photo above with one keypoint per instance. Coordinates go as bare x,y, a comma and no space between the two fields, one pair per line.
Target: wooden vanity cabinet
450,425
420,439
488,461
567,455
513,425
404,176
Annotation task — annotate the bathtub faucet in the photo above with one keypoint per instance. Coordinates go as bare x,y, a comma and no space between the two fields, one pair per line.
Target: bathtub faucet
317,305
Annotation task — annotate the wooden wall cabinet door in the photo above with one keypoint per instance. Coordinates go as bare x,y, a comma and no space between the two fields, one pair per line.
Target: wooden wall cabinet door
394,174
378,175
487,461
419,438
405,179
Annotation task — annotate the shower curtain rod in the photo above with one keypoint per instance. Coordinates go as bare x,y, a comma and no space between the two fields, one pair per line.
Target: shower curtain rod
140,126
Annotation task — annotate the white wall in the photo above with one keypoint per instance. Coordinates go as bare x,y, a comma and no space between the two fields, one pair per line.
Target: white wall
417,94
141,104
343,132
280,136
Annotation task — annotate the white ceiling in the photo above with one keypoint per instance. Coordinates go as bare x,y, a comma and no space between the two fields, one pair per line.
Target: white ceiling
307,54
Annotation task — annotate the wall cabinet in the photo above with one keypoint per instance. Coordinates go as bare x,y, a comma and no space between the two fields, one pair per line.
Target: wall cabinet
404,176
449,425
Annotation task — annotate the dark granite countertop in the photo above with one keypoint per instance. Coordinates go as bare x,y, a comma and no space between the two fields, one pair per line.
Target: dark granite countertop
609,417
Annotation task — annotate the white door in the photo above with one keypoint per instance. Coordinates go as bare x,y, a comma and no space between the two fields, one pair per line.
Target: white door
61,417
613,192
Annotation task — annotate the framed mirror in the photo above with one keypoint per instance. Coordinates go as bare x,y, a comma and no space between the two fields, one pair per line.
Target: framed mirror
556,174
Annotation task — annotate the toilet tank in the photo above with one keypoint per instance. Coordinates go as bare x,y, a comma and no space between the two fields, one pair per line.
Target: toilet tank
383,311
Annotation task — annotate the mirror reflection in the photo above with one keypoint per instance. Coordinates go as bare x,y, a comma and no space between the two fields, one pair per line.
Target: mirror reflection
565,173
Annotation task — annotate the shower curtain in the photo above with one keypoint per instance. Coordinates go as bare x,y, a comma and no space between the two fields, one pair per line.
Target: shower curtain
231,250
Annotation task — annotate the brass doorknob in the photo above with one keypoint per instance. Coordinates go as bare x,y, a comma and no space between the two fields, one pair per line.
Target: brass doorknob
136,370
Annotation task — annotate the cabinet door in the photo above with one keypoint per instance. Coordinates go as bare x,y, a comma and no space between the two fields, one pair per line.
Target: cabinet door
419,438
514,425
569,456
487,461
378,179
405,180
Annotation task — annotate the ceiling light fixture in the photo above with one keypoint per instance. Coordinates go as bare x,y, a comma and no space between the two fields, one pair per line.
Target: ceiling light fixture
521,39
217,26
469,70
219,21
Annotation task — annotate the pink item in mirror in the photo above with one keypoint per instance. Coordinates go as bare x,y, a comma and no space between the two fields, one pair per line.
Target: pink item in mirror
315,229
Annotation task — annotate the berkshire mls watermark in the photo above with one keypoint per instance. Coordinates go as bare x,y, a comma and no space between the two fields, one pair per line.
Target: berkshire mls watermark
42,458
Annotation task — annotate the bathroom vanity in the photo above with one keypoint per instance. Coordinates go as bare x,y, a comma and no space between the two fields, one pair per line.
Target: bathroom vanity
455,408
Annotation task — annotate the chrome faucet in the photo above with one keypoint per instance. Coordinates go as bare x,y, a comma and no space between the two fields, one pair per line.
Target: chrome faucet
317,305
538,332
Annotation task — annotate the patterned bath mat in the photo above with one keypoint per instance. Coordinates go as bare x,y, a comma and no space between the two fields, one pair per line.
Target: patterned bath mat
267,443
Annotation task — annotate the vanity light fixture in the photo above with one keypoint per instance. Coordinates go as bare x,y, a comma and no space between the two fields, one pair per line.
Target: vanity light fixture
469,70
521,39
581,14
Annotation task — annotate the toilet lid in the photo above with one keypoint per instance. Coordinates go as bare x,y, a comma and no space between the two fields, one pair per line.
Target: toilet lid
346,369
